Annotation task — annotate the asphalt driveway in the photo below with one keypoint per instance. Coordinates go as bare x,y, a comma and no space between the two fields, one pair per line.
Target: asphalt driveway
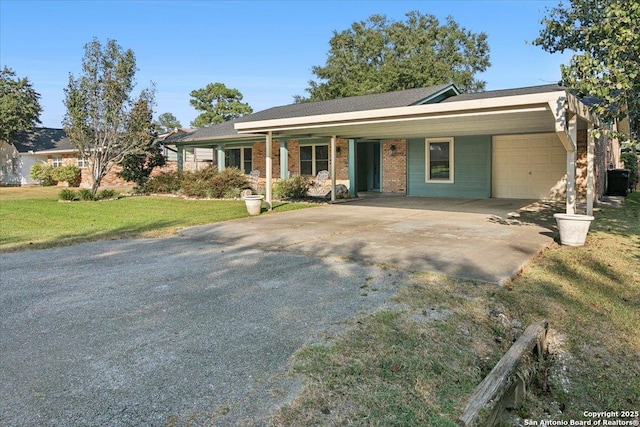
199,329
165,331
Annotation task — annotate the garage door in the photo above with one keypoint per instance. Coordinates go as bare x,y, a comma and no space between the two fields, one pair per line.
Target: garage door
527,166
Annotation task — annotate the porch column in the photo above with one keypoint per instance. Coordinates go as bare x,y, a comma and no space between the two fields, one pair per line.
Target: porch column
333,168
590,169
221,165
284,160
571,165
180,157
352,168
269,166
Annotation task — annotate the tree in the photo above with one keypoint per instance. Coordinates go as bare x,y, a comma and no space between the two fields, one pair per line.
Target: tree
19,106
137,167
103,121
380,55
605,36
218,103
167,122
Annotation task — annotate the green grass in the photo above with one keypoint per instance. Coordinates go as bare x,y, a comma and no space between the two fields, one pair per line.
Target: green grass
416,362
33,218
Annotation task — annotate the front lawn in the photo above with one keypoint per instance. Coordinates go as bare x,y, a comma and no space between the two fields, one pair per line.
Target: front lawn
416,361
33,218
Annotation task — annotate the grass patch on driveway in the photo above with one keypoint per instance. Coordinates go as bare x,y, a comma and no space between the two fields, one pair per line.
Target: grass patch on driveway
33,218
415,361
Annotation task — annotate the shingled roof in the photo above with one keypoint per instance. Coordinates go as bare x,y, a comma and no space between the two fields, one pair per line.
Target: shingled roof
215,131
402,98
433,94
505,92
43,140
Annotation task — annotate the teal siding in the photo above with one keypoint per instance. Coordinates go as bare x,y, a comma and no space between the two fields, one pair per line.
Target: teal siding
472,169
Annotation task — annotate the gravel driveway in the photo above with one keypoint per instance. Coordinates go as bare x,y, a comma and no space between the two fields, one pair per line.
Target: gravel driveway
165,331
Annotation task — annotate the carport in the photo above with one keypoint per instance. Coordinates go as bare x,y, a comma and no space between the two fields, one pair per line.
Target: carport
527,111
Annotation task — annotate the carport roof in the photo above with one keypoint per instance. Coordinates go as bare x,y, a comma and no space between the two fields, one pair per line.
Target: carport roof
422,112
521,110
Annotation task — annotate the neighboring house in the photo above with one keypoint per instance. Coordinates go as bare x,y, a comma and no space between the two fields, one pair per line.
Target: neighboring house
52,146
524,143
193,157
10,165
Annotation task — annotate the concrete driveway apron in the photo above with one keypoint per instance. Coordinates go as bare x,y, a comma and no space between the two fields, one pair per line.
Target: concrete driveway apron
477,239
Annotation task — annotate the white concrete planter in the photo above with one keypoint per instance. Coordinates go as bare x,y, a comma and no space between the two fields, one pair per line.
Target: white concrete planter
573,228
253,203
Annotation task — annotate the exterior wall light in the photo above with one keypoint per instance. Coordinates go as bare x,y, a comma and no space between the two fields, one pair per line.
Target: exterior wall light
392,150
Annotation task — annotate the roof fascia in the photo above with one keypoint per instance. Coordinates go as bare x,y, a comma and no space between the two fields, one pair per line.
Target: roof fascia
576,106
216,139
434,98
403,113
62,151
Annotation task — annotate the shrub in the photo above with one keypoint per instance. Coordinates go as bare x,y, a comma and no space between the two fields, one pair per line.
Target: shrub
85,194
68,195
208,182
165,183
138,167
196,183
227,180
295,187
213,184
630,160
41,172
69,174
105,194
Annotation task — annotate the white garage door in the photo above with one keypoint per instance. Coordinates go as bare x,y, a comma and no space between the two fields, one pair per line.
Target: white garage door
528,166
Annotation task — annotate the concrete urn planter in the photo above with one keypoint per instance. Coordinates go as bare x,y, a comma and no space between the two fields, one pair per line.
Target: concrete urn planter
253,203
573,228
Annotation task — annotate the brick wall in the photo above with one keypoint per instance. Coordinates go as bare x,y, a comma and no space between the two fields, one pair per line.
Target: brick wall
600,166
86,180
394,166
293,146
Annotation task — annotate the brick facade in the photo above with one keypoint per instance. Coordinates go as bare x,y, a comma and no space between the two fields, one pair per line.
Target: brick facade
394,166
110,180
293,147
600,166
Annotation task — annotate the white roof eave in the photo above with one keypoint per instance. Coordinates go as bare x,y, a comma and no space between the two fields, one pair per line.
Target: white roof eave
470,107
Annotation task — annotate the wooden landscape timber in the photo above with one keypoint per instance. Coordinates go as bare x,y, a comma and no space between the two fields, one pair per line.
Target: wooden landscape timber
505,386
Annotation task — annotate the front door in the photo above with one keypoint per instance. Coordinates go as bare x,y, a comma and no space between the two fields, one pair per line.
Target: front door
368,166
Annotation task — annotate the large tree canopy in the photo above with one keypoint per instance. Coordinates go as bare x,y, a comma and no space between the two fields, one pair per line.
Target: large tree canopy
103,121
19,105
605,36
167,122
381,55
218,104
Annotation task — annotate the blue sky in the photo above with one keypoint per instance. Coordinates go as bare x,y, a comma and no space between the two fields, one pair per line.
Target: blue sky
265,49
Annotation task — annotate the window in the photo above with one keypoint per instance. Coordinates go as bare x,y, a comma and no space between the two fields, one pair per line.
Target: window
57,161
241,158
313,159
439,160
81,162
